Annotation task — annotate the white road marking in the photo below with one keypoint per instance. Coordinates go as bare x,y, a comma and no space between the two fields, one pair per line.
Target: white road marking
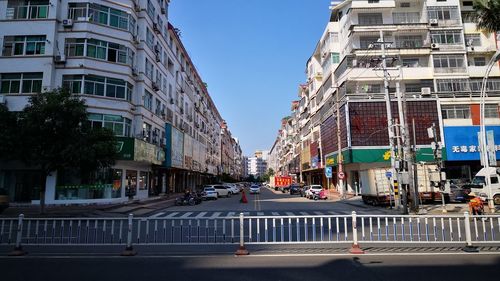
304,213
171,215
290,214
200,215
216,215
157,215
186,215
260,213
275,213
318,213
230,214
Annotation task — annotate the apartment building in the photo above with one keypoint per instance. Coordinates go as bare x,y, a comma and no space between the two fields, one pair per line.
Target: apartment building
435,60
258,164
128,63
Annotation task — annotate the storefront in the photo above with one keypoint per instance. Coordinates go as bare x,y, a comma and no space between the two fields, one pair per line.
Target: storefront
462,159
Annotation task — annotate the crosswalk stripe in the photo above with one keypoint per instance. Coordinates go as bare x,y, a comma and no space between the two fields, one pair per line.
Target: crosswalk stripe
260,213
215,215
200,215
230,214
318,213
171,215
275,213
304,213
290,214
186,215
157,215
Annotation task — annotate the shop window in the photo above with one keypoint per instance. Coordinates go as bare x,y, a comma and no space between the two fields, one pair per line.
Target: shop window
131,183
143,180
73,184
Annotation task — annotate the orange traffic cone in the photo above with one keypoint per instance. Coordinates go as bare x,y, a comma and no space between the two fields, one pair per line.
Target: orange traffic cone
243,197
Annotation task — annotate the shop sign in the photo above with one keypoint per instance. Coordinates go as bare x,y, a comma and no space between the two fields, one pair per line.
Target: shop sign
147,152
462,143
125,148
315,162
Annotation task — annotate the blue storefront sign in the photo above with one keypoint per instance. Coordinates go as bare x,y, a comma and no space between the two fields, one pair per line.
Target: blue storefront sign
462,142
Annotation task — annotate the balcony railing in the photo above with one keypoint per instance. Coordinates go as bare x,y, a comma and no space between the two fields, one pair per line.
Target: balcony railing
28,12
450,69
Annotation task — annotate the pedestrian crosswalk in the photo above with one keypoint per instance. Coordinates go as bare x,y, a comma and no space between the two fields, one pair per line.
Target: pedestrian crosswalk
225,214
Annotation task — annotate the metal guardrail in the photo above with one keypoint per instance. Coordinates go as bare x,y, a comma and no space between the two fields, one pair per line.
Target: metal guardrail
337,229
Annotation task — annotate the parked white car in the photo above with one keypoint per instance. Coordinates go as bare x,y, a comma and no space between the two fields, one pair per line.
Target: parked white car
313,189
209,193
254,189
221,190
232,188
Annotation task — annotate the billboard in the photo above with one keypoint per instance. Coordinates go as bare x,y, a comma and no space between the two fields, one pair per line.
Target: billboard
462,142
174,148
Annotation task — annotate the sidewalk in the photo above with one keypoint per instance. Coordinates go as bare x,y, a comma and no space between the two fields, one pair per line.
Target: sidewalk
137,207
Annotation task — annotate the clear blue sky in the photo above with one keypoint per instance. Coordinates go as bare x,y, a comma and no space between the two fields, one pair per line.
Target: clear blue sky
252,55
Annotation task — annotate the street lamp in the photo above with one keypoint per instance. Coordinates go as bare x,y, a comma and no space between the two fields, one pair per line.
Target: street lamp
484,146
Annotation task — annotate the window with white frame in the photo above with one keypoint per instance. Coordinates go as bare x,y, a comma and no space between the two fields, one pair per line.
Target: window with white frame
455,111
98,86
473,40
478,61
157,107
149,69
102,15
490,111
447,37
370,19
21,83
98,49
121,126
449,63
150,39
146,132
24,45
443,13
148,100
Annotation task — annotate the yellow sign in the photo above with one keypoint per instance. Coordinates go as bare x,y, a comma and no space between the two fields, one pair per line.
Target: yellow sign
330,161
387,155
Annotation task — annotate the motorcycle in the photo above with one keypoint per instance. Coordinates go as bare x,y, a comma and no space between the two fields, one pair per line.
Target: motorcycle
183,201
322,195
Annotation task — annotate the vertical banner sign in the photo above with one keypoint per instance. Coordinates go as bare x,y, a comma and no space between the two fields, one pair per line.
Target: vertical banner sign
490,142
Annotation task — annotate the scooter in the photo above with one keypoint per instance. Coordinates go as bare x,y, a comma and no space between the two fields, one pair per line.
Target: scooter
322,195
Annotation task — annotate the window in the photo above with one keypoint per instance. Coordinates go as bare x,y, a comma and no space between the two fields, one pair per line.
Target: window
156,136
118,124
21,83
335,57
370,19
146,132
447,37
98,86
449,63
455,111
479,61
490,111
473,40
34,10
150,39
467,3
23,45
102,15
99,49
413,87
409,41
443,13
157,107
405,17
405,5
151,10
410,62
149,70
170,66
148,100
366,41
373,1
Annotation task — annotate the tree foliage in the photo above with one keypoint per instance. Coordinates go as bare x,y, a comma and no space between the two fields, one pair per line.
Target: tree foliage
8,133
487,15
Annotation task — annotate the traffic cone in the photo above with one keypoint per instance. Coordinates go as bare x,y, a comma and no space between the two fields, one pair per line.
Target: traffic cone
243,197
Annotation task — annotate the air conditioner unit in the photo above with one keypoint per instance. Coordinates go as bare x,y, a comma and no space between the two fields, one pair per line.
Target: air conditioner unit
60,59
135,72
433,22
67,22
435,46
163,10
137,6
2,99
155,28
426,91
155,86
171,101
158,58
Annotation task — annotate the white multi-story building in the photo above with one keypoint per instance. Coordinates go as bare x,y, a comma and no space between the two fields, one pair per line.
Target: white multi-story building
435,60
258,165
129,64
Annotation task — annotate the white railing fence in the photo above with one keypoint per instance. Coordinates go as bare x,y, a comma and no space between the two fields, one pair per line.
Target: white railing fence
351,229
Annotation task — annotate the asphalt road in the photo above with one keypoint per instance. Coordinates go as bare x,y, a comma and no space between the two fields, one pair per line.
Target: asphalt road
275,267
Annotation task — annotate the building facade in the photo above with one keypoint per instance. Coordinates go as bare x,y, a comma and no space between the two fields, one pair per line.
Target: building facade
435,59
128,63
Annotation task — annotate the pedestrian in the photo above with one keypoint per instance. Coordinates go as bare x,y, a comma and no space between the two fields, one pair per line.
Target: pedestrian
476,206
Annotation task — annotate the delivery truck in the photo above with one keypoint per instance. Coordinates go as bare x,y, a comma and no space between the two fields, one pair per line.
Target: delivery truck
478,184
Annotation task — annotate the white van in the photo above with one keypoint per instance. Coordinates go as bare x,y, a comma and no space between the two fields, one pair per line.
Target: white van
477,185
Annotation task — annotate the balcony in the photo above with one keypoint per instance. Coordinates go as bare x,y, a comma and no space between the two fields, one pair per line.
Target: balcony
364,74
450,70
480,71
27,12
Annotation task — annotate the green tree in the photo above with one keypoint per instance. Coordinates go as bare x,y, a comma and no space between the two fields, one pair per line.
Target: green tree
56,135
487,15
8,133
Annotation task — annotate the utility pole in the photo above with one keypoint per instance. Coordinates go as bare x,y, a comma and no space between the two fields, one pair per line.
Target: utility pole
340,172
439,159
389,117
